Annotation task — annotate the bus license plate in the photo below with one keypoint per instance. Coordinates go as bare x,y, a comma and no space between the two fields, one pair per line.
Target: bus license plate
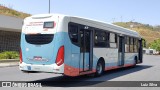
29,67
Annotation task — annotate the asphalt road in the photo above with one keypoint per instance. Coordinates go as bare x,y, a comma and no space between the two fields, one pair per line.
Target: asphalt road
149,70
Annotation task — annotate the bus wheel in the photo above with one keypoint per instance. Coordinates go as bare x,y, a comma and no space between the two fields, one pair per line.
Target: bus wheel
136,61
99,68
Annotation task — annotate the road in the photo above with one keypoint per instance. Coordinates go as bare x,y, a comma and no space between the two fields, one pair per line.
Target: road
149,70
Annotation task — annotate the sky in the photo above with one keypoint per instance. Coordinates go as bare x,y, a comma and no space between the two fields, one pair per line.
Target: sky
143,11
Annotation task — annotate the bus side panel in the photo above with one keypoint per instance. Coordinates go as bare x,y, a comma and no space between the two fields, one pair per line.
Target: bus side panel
71,62
73,65
130,58
110,56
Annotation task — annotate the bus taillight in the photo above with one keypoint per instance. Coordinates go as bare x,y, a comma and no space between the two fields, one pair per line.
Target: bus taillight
20,57
60,56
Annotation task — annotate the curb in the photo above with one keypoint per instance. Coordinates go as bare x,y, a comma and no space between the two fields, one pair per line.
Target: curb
9,63
9,60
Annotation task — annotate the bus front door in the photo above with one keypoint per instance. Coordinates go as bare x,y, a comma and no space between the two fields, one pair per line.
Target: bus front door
86,50
121,51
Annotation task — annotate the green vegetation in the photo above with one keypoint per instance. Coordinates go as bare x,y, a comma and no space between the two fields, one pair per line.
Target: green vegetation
9,55
148,32
10,12
155,45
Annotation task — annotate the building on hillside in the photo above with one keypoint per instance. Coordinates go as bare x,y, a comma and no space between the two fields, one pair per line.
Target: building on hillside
10,32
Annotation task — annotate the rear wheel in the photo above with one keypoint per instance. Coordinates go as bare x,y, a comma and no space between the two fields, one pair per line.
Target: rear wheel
135,59
99,68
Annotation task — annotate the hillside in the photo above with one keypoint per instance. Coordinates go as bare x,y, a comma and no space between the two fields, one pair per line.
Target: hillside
148,32
11,12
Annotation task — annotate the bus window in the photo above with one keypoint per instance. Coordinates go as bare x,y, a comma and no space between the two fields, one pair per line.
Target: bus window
116,38
101,39
127,44
48,25
73,33
135,45
112,38
108,37
131,44
39,39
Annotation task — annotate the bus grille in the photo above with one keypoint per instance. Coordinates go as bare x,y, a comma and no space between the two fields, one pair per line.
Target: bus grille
39,39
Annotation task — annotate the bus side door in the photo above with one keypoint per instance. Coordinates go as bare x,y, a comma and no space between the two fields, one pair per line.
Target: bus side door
121,50
86,50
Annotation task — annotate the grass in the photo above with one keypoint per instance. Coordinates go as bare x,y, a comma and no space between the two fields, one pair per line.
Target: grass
11,12
148,35
9,55
148,32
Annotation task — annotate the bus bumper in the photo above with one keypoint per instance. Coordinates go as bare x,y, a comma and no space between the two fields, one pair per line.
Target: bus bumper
42,68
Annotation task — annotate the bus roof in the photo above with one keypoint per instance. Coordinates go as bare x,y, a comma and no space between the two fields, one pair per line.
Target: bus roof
108,26
92,23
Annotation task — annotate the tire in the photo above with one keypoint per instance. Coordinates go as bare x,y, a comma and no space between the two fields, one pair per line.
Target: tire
99,68
136,61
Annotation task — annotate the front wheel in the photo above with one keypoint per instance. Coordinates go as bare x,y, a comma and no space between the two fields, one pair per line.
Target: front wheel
99,68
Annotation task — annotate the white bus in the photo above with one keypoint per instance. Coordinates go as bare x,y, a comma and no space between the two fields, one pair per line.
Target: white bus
76,46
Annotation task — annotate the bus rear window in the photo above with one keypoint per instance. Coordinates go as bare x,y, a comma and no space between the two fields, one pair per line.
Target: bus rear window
48,25
39,39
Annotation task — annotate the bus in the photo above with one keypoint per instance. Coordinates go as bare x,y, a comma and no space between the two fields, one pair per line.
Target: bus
73,46
149,51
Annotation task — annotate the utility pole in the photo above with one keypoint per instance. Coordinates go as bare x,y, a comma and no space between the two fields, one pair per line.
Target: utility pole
49,6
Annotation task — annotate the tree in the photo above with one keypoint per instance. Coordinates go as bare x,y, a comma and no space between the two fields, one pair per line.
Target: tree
144,42
155,45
